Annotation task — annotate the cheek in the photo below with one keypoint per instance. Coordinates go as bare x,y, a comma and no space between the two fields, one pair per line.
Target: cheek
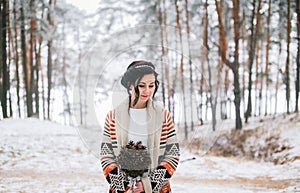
141,90
152,90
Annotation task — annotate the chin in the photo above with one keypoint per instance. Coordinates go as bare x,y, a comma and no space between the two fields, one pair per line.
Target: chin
144,100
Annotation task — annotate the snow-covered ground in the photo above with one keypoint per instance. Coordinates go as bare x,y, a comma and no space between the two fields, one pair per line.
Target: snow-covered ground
40,156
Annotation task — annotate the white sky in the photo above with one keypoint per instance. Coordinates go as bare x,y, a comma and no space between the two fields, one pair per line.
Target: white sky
87,5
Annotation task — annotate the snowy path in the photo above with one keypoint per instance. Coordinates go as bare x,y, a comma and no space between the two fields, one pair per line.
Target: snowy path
38,156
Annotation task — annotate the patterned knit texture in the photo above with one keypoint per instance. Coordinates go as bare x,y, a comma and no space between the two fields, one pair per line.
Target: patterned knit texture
160,176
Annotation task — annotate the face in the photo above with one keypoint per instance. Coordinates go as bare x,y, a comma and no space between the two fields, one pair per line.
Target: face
146,88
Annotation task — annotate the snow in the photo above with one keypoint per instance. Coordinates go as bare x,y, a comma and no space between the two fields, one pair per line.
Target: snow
42,156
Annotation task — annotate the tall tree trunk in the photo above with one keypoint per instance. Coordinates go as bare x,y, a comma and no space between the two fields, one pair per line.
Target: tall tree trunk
49,59
234,66
257,107
16,54
32,47
200,105
267,58
227,98
244,63
178,26
166,52
175,78
162,38
3,58
213,97
204,58
251,54
39,68
253,40
298,57
287,69
222,48
10,44
37,76
24,62
190,62
260,53
200,80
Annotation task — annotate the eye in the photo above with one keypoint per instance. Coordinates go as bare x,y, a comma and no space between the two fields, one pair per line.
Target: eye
141,86
151,86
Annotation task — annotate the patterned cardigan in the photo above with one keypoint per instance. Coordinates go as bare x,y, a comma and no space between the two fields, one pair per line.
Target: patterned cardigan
162,146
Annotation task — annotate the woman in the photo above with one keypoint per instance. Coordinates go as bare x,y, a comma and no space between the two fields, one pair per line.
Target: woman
139,118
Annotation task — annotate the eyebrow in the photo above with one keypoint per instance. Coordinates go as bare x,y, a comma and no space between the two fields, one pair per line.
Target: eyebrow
146,83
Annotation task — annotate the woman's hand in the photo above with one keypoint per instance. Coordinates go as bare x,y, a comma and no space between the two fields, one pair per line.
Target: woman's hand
139,188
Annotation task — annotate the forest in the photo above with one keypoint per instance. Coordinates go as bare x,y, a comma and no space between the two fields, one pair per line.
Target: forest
217,59
229,73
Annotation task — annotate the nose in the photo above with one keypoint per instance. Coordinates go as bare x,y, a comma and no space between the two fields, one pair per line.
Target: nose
147,90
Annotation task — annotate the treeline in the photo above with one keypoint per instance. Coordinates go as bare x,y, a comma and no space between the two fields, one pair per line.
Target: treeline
25,28
233,59
35,56
248,56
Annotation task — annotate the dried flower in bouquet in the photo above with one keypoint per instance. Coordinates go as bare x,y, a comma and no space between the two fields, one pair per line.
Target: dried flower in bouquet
134,159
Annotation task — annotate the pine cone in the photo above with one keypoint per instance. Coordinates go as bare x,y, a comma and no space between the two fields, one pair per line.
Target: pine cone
134,159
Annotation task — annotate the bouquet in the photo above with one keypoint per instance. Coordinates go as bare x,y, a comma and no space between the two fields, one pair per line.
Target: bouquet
134,160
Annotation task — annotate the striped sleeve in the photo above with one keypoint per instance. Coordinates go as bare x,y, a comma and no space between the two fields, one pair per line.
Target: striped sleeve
171,156
116,178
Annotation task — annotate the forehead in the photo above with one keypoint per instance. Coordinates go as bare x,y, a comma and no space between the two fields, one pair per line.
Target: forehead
148,78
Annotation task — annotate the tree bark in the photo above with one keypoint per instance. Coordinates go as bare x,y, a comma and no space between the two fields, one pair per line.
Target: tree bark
16,54
3,58
260,55
24,62
287,64
213,96
190,63
298,57
39,67
33,52
253,40
164,55
162,39
267,58
166,52
244,63
178,26
49,59
10,44
234,66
